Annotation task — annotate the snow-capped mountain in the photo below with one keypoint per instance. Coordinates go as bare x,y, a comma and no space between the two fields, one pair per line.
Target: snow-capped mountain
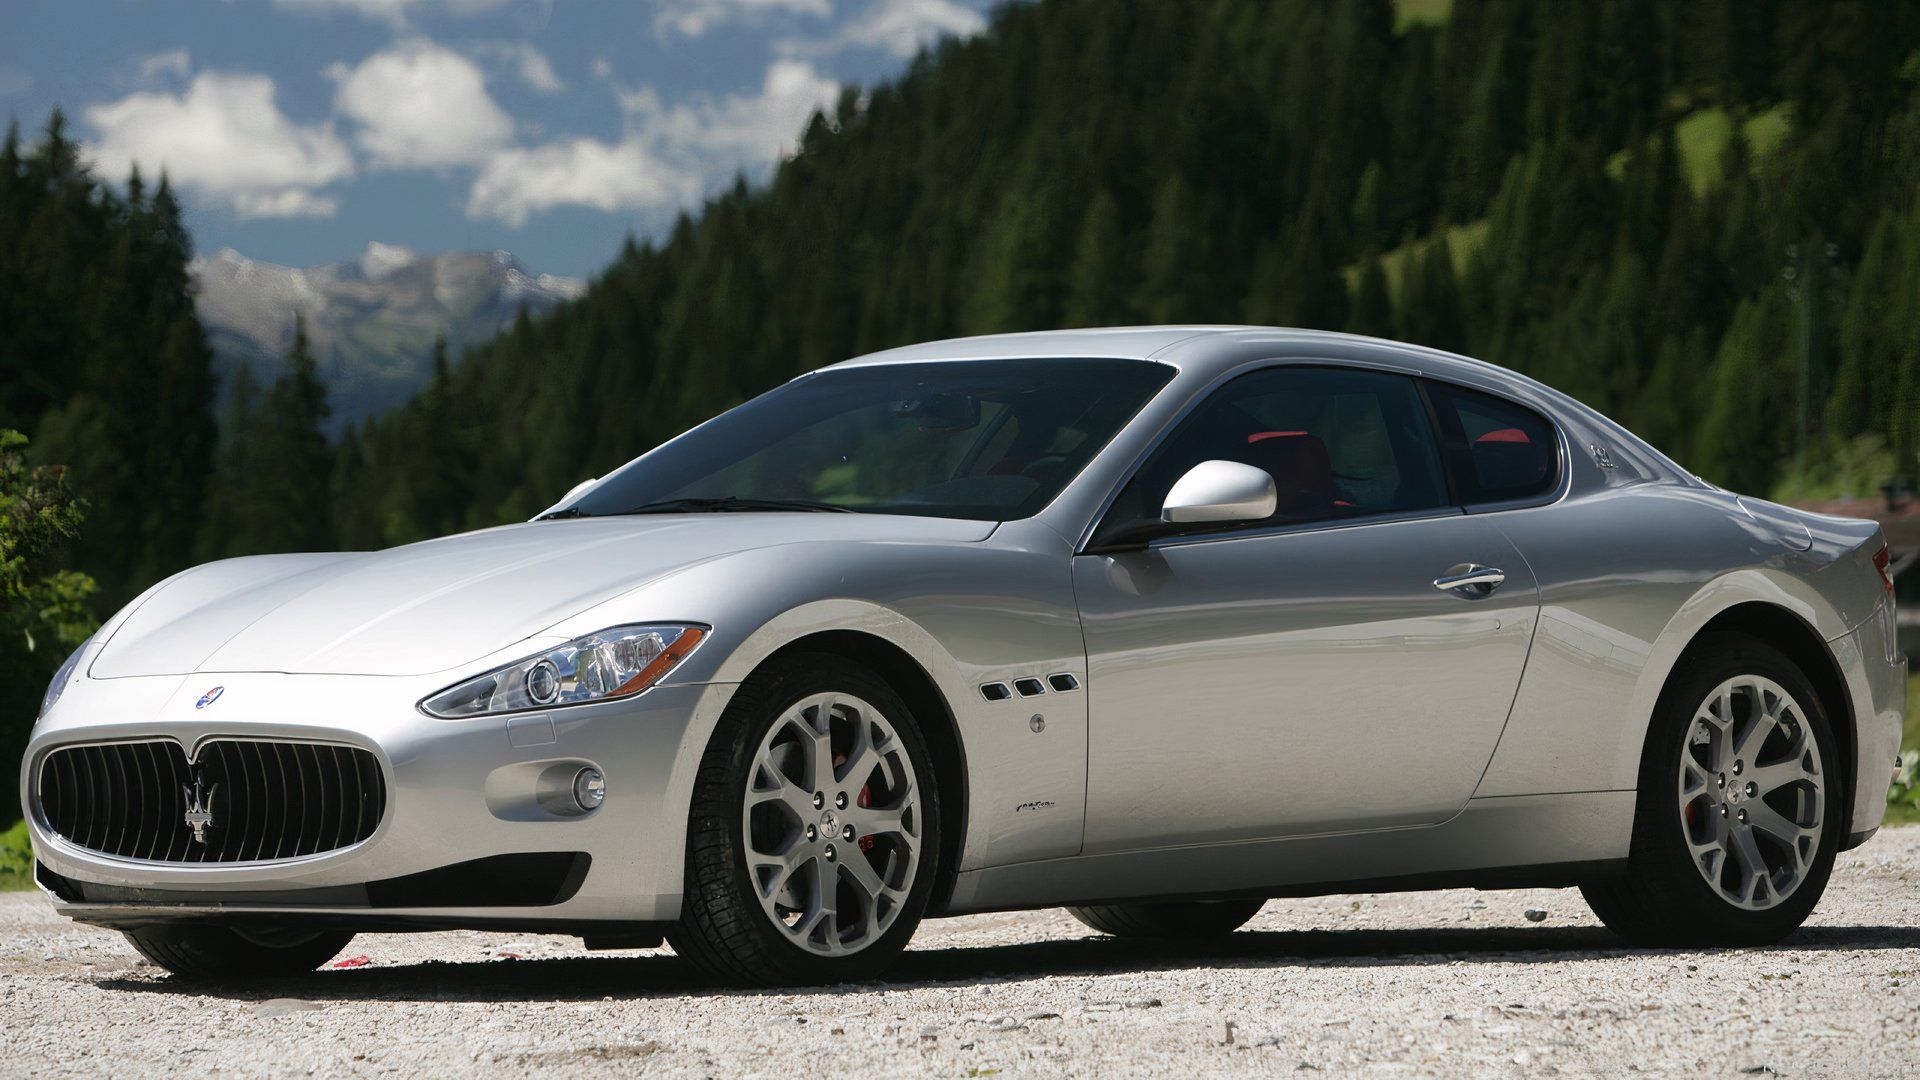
372,321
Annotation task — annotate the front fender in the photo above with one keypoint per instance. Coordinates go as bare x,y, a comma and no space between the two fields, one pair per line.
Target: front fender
966,613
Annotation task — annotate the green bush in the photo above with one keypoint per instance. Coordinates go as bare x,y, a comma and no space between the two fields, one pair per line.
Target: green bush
1903,796
16,858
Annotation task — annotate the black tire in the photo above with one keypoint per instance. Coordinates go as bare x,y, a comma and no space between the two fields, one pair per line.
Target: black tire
723,931
222,952
1662,898
1191,920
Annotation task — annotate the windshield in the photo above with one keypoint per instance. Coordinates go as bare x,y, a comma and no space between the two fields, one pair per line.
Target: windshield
984,439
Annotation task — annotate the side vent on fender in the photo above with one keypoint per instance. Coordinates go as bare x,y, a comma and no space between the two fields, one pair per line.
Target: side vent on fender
1063,683
995,691
1029,687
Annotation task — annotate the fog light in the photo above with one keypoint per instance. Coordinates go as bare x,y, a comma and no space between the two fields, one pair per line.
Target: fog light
589,789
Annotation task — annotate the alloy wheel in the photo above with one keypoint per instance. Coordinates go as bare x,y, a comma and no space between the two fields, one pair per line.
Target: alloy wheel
1752,792
831,824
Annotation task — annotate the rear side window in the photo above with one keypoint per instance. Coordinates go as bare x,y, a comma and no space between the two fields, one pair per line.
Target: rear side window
1497,452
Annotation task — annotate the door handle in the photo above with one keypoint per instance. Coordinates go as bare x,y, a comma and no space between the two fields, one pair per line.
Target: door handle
1471,580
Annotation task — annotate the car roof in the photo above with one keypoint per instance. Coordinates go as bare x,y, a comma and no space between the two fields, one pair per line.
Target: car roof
1108,342
1187,347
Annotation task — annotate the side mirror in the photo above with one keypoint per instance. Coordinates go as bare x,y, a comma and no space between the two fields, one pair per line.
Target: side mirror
1220,491
1212,491
572,493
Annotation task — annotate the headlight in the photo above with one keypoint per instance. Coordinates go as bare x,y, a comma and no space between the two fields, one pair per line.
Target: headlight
614,663
61,678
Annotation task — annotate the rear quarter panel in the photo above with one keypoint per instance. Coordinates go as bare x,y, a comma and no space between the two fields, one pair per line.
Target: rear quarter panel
1628,577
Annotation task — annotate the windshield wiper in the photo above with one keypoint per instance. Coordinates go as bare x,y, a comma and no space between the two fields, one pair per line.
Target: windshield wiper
569,512
735,504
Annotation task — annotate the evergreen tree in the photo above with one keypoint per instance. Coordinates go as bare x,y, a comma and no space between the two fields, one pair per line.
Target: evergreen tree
289,507
1097,290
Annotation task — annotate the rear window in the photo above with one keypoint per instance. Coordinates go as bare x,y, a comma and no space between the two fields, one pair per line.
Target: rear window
1498,452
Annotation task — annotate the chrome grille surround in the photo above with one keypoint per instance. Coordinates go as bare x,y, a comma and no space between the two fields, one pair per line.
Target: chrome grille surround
257,800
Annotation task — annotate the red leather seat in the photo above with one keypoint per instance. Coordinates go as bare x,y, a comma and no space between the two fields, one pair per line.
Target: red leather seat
1505,459
1301,469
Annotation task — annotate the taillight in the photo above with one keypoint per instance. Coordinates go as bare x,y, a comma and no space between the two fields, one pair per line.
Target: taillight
1882,560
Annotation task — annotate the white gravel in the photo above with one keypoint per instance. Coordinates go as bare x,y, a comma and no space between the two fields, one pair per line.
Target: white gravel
1422,983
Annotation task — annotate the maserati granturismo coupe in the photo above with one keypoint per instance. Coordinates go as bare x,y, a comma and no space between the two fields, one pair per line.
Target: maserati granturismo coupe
1154,624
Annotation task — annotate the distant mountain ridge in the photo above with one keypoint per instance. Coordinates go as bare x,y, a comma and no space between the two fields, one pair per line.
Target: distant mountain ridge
372,321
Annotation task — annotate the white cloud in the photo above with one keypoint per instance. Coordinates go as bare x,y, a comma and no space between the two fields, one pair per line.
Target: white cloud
292,202
224,138
901,27
529,63
904,27
601,67
736,131
670,155
176,63
692,18
519,182
392,12
421,105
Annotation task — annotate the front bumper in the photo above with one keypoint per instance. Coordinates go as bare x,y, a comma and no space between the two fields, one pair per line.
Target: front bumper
461,793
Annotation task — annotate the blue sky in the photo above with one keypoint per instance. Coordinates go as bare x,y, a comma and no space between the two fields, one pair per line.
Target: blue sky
300,130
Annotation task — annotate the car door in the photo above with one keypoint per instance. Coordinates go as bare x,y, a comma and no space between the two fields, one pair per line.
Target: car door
1310,672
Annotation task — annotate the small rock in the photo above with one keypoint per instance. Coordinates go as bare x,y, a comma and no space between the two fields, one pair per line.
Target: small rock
929,1032
1223,1035
1535,914
1041,1014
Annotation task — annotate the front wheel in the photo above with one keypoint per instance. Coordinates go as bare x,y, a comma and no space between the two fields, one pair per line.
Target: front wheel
815,834
1191,920
1739,812
214,952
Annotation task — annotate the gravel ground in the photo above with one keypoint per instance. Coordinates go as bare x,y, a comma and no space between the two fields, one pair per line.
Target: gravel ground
1444,982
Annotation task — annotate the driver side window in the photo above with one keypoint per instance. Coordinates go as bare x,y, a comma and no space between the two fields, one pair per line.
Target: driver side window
1339,443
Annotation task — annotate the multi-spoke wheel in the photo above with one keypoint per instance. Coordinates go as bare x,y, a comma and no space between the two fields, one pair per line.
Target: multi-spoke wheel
831,823
1734,834
1752,795
813,841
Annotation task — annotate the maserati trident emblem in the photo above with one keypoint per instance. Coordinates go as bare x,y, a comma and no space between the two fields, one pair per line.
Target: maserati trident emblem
209,697
199,809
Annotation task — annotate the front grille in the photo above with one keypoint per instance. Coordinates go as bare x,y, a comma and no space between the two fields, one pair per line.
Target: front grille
255,801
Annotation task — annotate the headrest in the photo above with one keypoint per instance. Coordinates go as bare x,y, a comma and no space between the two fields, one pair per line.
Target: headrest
1301,470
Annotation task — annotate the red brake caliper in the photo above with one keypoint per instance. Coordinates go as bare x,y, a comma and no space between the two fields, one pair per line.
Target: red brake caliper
865,799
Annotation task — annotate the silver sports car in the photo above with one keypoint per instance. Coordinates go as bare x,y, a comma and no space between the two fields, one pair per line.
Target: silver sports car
1155,624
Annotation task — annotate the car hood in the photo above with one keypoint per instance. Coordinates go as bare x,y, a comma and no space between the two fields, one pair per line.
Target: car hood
436,605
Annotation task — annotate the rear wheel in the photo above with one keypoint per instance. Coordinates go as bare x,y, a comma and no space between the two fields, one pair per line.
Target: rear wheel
212,952
814,839
1738,816
1191,920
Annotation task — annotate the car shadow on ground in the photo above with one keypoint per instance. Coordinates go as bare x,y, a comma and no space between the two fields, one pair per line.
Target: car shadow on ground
659,974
